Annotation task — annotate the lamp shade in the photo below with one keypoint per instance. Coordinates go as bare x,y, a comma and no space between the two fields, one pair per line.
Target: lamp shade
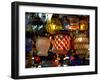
62,43
42,46
81,44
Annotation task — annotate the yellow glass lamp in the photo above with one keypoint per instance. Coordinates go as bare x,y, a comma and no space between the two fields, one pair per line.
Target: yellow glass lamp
53,25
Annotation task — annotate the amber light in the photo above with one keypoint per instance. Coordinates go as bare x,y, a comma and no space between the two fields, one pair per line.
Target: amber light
62,44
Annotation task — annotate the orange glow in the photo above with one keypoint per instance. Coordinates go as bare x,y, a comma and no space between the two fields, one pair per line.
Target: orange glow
82,27
73,27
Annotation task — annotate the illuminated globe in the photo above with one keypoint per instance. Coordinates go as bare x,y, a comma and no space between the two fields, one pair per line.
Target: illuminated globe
61,43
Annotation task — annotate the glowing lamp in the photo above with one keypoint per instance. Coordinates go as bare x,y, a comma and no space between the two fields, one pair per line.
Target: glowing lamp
81,44
53,25
74,23
84,23
62,44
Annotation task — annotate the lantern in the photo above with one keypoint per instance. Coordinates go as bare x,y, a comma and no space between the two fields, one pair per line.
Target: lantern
84,23
42,46
38,20
53,25
74,22
81,44
61,43
43,16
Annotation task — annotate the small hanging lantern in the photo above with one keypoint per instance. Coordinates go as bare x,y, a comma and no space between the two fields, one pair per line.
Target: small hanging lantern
53,25
43,16
84,23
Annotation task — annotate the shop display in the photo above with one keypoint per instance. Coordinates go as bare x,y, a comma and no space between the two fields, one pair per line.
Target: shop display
61,36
